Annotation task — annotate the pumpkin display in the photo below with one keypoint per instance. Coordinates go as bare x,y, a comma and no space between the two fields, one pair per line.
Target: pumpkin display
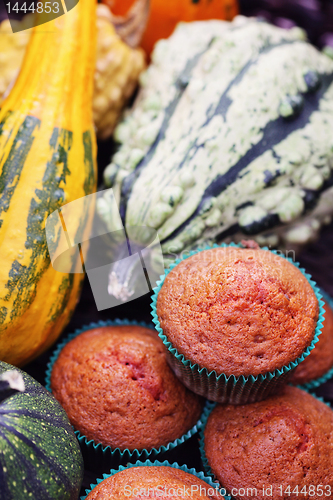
230,135
47,159
164,16
117,70
40,457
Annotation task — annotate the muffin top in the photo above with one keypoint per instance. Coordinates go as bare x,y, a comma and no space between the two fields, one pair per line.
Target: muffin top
286,440
238,311
161,482
117,389
320,359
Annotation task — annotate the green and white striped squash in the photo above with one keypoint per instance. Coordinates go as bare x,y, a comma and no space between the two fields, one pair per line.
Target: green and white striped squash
230,135
40,457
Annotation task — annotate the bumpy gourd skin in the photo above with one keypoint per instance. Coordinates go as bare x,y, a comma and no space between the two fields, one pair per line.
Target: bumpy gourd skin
118,67
286,440
229,135
47,159
39,454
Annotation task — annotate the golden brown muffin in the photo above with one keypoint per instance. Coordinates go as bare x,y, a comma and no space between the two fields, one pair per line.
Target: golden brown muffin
321,358
286,440
238,311
117,389
165,483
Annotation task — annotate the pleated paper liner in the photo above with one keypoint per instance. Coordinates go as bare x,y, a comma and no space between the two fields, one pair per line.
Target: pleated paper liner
223,388
97,456
313,384
207,411
200,475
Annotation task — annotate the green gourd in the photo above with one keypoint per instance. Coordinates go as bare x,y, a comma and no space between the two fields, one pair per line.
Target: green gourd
230,136
40,457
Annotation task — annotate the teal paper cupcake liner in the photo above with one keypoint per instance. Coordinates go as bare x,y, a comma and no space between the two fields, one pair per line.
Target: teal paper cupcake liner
200,475
230,389
207,411
313,384
106,453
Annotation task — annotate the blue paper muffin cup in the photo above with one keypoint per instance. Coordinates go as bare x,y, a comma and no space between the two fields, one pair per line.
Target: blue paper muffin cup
200,475
207,411
220,387
95,454
313,384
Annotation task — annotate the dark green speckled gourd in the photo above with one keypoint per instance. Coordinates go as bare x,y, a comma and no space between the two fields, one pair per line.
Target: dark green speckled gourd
230,136
40,457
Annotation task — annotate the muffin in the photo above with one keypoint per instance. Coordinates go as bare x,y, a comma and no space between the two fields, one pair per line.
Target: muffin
284,443
320,361
118,390
162,482
238,311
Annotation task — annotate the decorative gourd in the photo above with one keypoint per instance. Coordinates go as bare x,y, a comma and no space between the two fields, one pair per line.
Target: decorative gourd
230,135
116,74
118,68
40,457
47,159
164,16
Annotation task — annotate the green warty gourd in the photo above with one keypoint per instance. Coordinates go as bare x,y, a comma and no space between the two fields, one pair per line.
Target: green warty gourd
229,136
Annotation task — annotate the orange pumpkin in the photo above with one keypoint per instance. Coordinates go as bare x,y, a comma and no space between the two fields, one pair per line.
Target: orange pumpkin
165,14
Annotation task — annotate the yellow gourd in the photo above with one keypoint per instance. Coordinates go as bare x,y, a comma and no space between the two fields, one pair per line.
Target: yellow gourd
47,159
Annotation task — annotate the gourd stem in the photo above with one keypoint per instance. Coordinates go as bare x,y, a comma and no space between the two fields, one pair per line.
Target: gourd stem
131,27
10,383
